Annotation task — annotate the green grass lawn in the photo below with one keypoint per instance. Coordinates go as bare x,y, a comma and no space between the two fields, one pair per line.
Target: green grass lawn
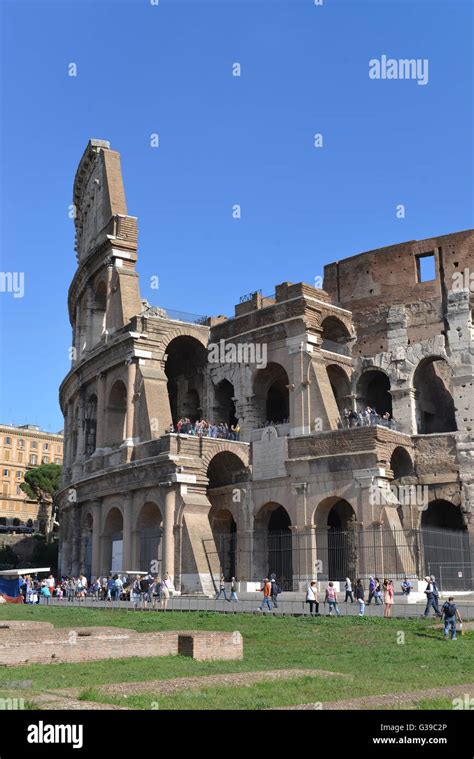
368,649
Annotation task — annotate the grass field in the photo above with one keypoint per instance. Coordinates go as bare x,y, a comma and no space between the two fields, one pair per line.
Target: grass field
378,659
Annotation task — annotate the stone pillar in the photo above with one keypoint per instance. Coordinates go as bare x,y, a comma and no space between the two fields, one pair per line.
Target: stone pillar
404,409
127,531
101,411
81,435
131,376
168,533
109,325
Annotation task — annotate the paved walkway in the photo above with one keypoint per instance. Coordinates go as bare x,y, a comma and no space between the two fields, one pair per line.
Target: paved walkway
286,606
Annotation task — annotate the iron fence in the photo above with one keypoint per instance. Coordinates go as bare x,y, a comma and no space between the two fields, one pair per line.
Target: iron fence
334,554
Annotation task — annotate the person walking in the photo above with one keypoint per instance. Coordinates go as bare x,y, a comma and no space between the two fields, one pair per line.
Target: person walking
156,591
432,595
388,598
451,615
233,590
222,590
359,594
331,599
312,598
276,590
267,592
371,590
378,592
348,589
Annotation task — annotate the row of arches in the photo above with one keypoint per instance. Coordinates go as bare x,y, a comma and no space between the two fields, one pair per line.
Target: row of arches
432,383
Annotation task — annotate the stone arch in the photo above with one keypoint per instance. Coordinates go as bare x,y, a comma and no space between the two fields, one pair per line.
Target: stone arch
186,360
90,425
336,538
446,545
435,410
373,389
224,531
271,394
401,463
224,409
149,531
273,551
88,528
112,540
99,307
341,387
116,413
225,468
334,331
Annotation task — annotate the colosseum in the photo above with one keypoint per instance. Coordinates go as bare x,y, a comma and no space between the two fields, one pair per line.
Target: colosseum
314,483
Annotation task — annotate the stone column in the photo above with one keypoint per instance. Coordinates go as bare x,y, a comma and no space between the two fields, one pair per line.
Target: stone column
127,531
131,376
168,533
109,327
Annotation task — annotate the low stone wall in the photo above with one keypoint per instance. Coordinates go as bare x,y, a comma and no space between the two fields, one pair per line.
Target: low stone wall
41,643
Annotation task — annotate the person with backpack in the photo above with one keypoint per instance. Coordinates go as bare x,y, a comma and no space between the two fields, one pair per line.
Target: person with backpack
432,595
331,599
276,590
312,597
348,589
451,614
359,594
267,592
233,589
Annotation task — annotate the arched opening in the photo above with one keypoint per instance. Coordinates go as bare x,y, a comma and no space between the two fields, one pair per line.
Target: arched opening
271,394
373,389
224,410
87,560
226,468
90,425
335,335
273,552
149,534
341,387
116,414
446,547
224,530
113,542
336,539
98,312
186,359
401,463
435,410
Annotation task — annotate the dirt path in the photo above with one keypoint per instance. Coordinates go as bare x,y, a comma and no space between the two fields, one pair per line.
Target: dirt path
392,700
195,683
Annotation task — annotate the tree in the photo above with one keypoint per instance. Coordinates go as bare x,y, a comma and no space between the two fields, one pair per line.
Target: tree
42,483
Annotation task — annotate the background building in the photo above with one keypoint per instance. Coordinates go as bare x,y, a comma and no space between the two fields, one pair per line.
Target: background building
23,448
392,329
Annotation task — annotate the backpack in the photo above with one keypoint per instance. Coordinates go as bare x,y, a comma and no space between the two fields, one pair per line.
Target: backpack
449,609
277,589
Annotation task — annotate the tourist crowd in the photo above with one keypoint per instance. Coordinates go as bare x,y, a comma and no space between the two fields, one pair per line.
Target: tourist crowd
368,417
203,428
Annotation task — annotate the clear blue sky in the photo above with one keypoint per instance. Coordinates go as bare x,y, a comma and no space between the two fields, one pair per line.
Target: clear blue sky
143,69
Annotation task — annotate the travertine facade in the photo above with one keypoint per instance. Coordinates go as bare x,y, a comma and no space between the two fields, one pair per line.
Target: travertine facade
303,490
